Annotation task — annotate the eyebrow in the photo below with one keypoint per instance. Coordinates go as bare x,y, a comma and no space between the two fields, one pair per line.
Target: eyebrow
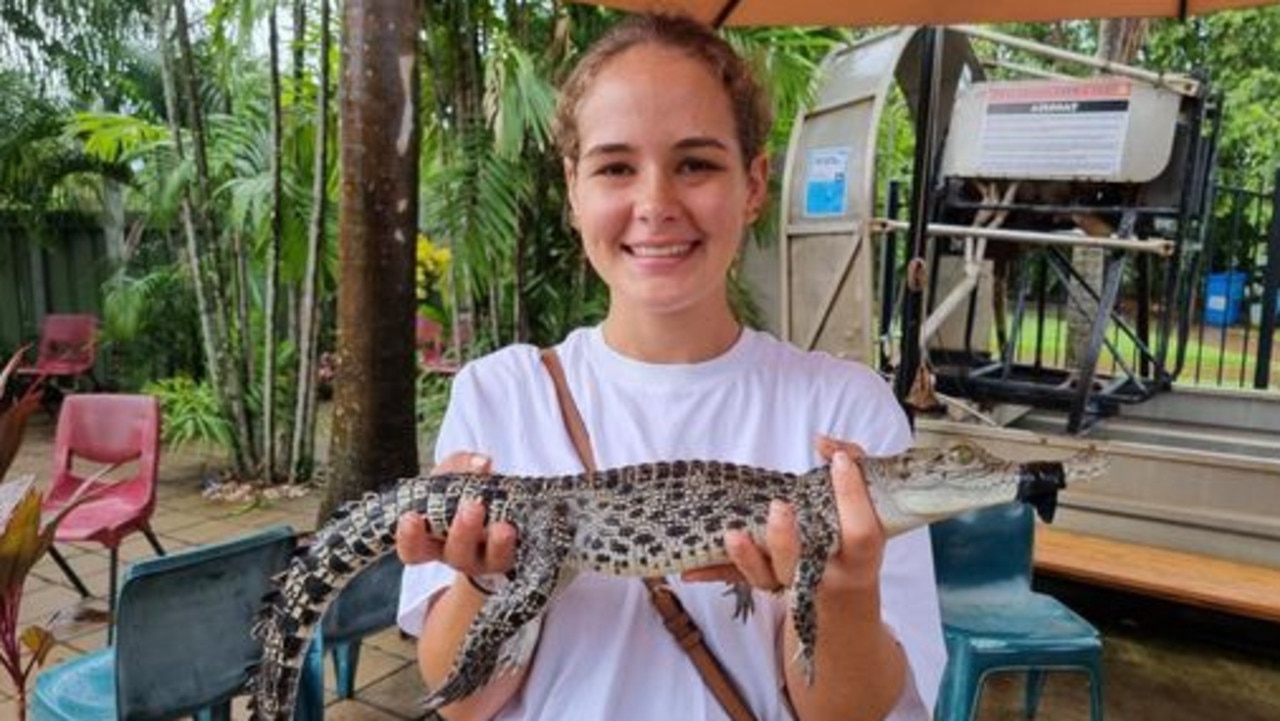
693,143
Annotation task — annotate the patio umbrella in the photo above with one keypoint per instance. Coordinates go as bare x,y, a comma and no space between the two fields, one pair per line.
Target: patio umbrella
921,12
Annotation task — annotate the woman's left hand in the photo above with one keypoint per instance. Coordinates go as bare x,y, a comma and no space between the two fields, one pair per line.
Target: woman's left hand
853,568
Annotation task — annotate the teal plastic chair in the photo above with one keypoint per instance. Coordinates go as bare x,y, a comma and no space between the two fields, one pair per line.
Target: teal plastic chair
993,621
367,605
183,642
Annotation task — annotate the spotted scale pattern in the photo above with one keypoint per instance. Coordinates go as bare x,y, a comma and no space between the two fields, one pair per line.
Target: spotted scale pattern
643,520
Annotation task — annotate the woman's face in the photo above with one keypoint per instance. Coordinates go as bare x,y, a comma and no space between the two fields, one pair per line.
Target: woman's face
659,190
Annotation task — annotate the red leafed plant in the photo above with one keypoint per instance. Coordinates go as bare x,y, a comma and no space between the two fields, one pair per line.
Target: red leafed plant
23,540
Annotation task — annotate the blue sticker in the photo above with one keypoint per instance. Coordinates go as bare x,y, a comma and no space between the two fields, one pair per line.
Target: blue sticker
825,182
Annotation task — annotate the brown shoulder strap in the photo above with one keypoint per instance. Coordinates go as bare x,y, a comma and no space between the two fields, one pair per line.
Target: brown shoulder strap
674,616
569,410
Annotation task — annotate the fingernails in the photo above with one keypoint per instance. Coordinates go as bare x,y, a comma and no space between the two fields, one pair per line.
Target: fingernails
779,510
840,472
472,507
734,540
840,461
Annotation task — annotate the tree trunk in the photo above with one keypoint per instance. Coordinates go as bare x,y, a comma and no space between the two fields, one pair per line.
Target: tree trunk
293,291
273,258
373,411
206,307
240,290
299,45
1120,39
304,404
113,221
230,390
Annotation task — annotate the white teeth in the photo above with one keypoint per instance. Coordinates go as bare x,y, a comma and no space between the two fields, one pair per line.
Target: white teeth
660,251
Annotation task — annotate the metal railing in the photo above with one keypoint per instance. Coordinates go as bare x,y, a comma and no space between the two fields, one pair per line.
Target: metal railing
1217,333
1229,338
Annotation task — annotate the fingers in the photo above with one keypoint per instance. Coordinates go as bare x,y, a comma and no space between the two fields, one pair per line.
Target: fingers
782,538
464,462
470,546
826,446
751,561
852,499
500,548
857,562
413,543
464,545
853,503
772,566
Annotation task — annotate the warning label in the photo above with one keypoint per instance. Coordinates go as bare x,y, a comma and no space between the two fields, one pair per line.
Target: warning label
1055,129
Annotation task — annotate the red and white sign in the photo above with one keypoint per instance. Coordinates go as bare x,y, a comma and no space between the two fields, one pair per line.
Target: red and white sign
1055,128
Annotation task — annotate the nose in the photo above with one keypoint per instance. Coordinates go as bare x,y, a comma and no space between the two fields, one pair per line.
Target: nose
656,202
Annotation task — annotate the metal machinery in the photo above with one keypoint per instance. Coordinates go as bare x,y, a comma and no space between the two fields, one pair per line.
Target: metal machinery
1110,165
1051,171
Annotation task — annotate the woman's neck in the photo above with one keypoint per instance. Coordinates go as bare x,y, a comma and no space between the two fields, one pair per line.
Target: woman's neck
671,339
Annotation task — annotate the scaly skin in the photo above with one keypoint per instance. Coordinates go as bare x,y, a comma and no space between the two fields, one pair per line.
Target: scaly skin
645,520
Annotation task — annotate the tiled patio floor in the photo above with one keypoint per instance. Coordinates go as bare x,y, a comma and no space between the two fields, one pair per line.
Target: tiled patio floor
388,687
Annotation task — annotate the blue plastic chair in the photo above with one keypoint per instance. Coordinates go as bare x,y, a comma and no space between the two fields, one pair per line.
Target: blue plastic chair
994,622
366,605
183,642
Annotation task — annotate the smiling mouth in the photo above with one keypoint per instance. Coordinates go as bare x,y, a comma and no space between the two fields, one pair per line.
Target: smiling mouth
666,250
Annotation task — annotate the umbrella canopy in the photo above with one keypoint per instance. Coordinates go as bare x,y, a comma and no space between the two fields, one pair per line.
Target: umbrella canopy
920,12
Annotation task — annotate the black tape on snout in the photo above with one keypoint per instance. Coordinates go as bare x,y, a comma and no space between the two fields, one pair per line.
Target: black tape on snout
1038,485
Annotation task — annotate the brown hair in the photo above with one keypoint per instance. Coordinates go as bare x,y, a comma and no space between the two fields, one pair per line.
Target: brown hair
751,112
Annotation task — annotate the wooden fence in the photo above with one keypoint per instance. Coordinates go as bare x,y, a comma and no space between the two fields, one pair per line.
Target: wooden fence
57,265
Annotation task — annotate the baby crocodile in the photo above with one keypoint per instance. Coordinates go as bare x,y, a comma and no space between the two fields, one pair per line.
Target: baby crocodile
645,520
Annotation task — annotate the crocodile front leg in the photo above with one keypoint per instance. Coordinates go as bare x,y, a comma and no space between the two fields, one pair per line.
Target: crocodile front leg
545,540
817,538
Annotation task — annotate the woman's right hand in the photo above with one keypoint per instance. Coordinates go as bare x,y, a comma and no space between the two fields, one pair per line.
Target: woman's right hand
469,546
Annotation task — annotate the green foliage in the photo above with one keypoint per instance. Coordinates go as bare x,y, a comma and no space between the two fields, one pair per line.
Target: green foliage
150,328
23,541
520,102
79,47
38,165
430,403
24,538
1239,52
191,413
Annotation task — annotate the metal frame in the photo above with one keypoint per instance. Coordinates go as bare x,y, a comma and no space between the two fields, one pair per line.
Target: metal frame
1085,393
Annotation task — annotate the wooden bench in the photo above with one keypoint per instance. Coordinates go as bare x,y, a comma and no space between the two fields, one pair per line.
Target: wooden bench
1236,588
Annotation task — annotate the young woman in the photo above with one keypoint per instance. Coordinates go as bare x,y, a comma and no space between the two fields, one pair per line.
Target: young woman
662,127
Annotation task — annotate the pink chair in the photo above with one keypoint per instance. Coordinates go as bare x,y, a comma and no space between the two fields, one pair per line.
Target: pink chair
110,430
68,346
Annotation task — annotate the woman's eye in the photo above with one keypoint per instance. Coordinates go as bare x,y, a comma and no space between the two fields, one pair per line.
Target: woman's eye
613,169
698,165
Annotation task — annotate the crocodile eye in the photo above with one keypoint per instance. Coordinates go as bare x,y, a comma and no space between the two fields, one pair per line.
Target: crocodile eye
962,455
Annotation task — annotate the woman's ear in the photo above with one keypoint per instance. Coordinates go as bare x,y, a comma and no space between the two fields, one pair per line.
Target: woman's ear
757,186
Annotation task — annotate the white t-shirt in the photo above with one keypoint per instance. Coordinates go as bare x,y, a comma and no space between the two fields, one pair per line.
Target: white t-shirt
603,652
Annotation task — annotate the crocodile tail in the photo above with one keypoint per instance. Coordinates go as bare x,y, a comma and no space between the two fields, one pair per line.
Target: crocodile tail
364,532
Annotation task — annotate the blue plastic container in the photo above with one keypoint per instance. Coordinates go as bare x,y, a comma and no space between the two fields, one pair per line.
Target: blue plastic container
1223,296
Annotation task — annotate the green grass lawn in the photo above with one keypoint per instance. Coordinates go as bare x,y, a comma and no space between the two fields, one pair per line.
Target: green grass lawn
1225,356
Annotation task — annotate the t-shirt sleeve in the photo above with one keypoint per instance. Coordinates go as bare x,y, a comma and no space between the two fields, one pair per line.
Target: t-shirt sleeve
421,582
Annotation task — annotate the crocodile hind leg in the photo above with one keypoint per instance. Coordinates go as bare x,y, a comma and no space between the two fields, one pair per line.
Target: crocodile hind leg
538,571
